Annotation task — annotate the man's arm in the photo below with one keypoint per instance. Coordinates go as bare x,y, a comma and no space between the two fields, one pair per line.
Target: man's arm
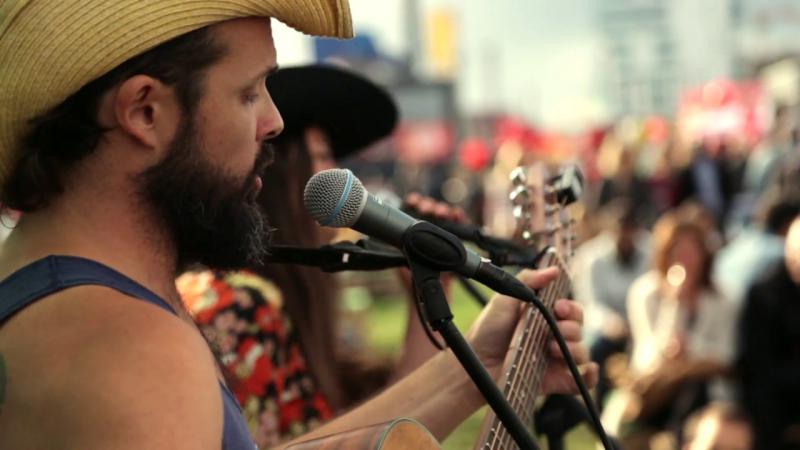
141,379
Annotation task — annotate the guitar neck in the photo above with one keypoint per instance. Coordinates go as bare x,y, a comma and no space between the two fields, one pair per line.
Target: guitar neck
526,363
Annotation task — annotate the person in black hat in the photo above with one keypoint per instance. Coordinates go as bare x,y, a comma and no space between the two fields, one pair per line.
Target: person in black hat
275,325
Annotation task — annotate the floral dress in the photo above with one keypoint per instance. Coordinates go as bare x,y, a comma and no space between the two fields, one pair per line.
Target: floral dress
242,317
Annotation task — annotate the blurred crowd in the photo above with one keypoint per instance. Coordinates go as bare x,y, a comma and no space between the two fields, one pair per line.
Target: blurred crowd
692,290
687,266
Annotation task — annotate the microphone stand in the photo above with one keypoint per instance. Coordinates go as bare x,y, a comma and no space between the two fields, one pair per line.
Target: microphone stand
426,268
361,255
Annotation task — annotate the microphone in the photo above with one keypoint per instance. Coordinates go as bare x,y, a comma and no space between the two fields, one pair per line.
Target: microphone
502,252
336,198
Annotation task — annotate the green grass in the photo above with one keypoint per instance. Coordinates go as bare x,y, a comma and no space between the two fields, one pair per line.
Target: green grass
386,325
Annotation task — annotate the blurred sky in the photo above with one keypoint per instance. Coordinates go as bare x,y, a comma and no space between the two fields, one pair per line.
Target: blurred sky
536,58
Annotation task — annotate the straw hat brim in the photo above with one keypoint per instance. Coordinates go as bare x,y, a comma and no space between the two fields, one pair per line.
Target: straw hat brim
49,49
353,111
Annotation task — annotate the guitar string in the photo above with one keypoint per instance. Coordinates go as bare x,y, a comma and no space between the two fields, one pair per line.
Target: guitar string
524,375
534,346
532,379
501,434
521,364
531,365
561,289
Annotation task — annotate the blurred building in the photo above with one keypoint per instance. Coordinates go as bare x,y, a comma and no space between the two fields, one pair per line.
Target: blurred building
768,46
656,48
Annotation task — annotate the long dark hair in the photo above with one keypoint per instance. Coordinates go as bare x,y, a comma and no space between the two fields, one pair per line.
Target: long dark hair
309,294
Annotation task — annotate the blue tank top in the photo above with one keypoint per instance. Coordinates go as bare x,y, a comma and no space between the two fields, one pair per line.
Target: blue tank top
54,273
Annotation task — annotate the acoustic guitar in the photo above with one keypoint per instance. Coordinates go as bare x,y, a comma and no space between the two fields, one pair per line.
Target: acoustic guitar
543,222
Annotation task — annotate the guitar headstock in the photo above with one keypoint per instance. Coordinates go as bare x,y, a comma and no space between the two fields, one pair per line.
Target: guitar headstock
540,198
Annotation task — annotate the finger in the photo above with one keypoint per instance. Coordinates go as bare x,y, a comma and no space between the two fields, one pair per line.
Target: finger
459,214
535,279
412,199
591,374
442,211
578,351
426,206
571,330
568,310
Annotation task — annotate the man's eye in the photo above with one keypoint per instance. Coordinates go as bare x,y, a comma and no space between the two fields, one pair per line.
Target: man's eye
251,98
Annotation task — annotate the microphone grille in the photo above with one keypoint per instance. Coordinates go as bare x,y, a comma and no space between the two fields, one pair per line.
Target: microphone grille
334,198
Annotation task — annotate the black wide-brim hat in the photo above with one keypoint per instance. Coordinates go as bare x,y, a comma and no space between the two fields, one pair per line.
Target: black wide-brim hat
353,111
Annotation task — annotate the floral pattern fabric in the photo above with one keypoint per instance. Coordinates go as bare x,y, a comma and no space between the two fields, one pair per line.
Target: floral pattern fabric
242,317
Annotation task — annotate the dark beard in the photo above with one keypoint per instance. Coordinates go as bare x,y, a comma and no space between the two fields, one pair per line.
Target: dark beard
212,217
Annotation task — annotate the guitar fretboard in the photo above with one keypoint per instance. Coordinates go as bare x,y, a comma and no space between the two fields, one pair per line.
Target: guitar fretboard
527,363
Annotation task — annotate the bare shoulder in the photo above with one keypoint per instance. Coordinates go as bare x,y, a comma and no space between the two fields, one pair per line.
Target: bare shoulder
97,369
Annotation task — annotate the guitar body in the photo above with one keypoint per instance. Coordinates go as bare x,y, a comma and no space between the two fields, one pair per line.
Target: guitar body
399,434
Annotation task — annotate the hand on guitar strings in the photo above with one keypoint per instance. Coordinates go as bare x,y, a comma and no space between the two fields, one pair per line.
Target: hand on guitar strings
491,334
427,206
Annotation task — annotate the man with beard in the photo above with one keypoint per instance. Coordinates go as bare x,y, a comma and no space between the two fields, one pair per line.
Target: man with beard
132,145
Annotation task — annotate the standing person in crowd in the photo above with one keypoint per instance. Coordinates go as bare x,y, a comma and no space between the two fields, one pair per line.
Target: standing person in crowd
617,257
681,328
757,248
764,163
617,164
768,359
709,179
137,153
275,325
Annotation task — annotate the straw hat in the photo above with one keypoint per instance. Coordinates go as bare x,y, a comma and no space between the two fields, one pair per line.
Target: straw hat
352,110
49,49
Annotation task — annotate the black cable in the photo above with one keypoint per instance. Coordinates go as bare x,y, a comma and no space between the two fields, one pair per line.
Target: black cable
486,385
530,296
425,325
472,290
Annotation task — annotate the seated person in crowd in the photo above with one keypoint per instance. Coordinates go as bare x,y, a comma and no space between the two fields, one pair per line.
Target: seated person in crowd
681,328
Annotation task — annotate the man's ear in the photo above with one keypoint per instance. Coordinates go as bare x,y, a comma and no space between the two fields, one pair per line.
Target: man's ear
146,110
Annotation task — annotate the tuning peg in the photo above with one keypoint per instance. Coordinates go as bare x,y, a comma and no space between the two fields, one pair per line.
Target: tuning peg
568,185
518,176
520,212
520,196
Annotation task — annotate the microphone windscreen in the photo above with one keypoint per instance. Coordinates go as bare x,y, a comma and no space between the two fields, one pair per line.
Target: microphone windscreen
334,198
